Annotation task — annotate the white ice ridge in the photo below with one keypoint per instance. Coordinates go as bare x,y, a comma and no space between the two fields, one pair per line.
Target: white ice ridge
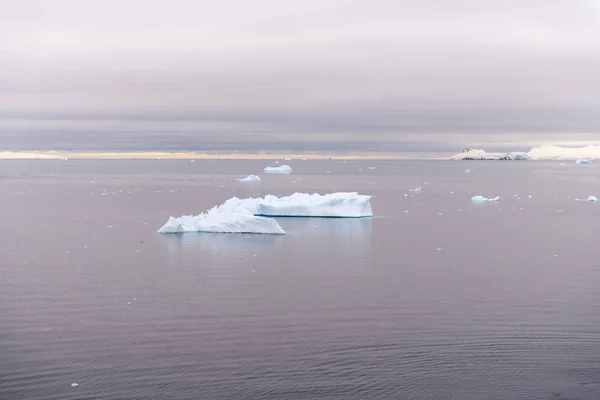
481,200
250,178
547,152
283,169
341,205
216,221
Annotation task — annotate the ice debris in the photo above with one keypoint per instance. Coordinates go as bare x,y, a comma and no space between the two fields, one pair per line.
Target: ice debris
283,169
74,384
583,161
481,200
250,178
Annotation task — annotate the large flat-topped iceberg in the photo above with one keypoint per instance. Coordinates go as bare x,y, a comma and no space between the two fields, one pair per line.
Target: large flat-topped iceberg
249,215
547,152
340,205
215,221
283,169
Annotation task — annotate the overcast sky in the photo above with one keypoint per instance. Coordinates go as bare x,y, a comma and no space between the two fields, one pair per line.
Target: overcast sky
235,74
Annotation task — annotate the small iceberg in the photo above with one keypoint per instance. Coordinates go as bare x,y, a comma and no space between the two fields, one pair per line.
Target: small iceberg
416,190
250,178
482,200
583,161
215,221
283,169
590,199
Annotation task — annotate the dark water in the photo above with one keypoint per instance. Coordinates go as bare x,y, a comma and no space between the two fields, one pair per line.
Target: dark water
447,301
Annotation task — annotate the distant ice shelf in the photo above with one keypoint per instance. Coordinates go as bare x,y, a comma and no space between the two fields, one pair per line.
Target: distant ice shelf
581,155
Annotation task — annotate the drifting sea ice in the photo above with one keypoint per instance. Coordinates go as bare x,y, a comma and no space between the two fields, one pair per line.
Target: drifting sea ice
250,178
283,169
481,200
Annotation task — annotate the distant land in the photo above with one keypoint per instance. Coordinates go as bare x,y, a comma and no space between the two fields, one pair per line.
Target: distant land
182,155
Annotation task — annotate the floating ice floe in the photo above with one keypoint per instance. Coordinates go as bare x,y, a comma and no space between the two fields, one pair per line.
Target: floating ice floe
216,221
467,171
590,199
583,161
250,178
250,215
416,190
341,205
481,200
283,169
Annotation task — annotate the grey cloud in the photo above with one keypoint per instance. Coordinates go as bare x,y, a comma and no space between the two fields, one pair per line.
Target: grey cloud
229,70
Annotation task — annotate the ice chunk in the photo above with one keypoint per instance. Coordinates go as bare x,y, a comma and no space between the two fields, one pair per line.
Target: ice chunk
250,178
583,161
591,199
283,169
216,221
467,171
341,205
481,200
416,190
74,384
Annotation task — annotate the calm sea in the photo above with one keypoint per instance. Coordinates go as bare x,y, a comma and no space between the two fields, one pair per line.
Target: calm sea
434,298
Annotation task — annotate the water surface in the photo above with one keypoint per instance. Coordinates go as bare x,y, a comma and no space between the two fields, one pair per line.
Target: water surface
434,298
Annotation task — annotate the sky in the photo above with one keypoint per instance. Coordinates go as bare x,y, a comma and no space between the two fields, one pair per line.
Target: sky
237,75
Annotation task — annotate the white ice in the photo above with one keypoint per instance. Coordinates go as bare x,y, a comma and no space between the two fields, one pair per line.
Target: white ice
481,200
545,152
250,178
343,205
283,169
583,161
216,221
591,199
248,215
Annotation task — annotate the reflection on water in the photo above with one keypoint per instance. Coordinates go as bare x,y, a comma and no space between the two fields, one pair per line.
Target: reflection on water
326,237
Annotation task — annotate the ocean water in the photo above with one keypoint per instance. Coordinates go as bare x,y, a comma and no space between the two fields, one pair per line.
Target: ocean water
434,298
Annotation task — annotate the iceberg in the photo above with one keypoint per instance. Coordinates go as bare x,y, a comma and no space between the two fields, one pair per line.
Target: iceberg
335,205
250,178
250,215
481,200
215,221
581,155
590,199
479,154
283,169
